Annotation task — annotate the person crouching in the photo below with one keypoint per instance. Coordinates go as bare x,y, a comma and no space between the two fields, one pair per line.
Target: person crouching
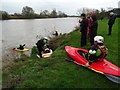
41,45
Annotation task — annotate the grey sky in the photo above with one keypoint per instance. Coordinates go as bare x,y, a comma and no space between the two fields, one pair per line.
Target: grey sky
67,6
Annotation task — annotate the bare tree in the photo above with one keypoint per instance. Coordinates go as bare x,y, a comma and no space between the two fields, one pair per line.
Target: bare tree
54,13
44,13
84,10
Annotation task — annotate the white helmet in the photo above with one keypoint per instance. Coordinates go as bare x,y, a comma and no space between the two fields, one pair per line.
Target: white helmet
99,39
46,38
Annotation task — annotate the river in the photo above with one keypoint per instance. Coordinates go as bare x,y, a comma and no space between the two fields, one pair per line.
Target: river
16,32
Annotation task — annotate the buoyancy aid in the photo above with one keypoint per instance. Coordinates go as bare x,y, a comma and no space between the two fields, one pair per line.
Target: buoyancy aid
103,53
99,53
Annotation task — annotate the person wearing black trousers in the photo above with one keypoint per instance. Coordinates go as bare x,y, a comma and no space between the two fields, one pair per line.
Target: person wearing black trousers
83,30
41,45
111,22
93,27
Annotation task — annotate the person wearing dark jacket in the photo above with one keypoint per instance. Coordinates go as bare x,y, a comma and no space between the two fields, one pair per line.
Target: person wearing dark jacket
83,30
111,22
93,27
41,45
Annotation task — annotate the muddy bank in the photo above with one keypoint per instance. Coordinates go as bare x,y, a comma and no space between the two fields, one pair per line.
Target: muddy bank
13,55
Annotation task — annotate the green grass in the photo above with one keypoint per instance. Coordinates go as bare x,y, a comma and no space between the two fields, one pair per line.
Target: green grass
55,72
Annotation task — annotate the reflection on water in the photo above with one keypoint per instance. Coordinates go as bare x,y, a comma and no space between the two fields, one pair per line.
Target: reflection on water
16,32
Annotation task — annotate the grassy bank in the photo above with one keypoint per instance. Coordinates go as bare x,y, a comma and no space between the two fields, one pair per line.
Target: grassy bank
55,72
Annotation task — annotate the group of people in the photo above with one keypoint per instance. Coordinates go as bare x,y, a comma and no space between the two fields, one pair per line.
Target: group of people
88,27
42,45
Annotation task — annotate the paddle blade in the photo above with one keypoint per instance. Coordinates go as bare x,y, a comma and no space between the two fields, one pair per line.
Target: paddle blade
114,79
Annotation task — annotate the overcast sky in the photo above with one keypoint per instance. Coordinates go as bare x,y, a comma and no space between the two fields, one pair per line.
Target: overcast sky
67,6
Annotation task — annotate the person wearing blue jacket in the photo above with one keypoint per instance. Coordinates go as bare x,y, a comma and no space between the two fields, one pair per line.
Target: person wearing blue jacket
111,22
93,27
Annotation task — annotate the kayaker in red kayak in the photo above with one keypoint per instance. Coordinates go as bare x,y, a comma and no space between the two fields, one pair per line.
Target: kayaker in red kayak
98,51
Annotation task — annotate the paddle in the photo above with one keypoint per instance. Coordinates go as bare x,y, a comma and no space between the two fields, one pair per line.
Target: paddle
114,79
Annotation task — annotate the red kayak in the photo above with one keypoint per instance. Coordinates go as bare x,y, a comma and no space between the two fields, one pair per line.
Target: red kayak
105,67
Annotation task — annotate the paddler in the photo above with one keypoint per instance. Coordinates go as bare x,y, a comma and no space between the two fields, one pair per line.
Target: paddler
98,51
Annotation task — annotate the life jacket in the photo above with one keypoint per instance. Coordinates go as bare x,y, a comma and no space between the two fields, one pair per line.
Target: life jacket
103,53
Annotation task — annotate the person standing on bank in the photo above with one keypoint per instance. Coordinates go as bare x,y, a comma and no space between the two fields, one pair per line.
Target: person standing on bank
93,27
83,30
111,22
89,24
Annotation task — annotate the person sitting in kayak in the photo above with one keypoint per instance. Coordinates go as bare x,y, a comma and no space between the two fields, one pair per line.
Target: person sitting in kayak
98,51
21,47
42,44
56,33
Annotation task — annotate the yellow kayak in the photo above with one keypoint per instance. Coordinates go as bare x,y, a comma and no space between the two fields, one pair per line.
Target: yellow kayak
25,49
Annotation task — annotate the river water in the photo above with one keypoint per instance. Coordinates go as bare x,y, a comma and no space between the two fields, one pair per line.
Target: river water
16,32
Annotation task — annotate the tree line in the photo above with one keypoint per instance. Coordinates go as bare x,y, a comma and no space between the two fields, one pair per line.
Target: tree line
100,13
29,13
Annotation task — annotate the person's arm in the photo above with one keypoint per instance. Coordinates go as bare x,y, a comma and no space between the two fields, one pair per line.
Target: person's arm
111,20
106,51
46,44
80,20
81,27
92,50
23,45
